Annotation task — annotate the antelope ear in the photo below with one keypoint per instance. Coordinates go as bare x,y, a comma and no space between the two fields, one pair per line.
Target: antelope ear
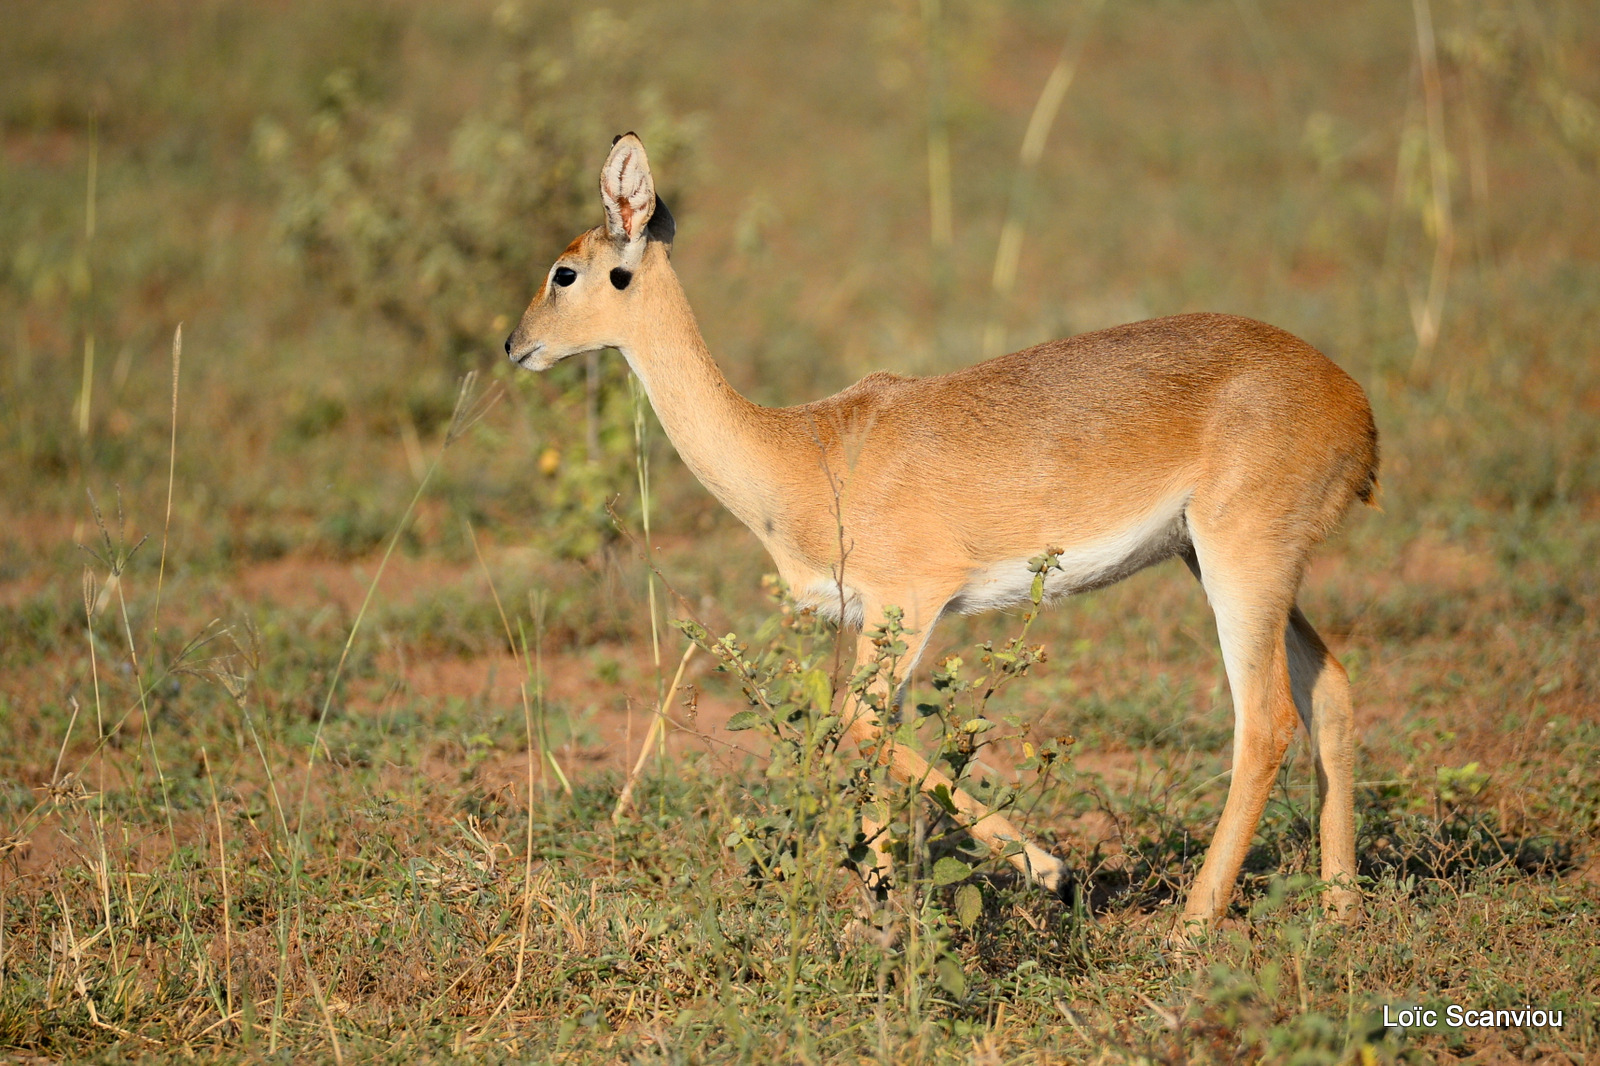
626,189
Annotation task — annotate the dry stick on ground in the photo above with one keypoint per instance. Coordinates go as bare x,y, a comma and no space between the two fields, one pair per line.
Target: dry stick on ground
626,798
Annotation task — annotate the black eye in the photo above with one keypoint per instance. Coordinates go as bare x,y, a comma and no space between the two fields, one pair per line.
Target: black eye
620,277
565,276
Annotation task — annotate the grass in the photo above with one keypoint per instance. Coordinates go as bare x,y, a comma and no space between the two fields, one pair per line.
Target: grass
214,841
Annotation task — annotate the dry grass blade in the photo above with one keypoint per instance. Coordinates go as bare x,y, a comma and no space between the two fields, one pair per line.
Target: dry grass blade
657,724
227,901
172,470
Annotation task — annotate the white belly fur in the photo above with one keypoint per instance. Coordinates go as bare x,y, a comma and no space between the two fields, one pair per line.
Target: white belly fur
1158,535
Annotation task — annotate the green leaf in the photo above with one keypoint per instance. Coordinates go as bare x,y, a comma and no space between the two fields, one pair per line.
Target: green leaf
940,794
818,687
969,905
949,870
951,979
693,630
744,720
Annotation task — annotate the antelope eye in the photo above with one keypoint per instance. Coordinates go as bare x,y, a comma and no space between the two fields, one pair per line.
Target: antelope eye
565,276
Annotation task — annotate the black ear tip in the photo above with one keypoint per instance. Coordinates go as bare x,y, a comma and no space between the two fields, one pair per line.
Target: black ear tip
615,139
619,137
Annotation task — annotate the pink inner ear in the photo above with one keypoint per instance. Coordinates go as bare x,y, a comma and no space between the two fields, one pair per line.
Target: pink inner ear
629,201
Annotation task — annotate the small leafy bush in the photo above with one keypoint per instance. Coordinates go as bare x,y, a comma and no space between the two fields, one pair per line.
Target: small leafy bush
808,822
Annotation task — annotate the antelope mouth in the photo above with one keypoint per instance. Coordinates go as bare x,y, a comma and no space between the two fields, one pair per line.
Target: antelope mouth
524,360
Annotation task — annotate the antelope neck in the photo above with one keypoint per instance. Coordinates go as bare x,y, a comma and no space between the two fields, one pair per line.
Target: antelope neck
732,445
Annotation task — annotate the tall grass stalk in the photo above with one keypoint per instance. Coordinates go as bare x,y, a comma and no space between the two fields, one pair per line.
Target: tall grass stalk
322,1006
227,900
532,674
641,460
1008,254
657,729
1427,312
527,868
468,409
102,873
941,214
172,467
533,666
91,195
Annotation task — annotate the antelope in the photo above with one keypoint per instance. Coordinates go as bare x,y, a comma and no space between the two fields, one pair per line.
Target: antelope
1220,440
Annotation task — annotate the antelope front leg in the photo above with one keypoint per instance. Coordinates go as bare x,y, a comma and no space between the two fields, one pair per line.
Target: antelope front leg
993,830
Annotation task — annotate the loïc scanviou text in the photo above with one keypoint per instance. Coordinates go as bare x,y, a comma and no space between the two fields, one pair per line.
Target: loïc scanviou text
1455,1016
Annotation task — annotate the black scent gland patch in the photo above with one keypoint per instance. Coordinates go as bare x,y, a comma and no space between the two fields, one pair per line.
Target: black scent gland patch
565,276
620,277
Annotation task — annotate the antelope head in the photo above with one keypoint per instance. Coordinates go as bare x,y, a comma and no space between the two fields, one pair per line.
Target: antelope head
595,289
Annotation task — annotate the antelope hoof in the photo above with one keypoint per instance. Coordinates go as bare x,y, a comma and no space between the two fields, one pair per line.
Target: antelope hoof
1344,905
1055,878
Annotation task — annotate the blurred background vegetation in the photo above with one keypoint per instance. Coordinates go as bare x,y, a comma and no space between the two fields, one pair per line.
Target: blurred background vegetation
348,204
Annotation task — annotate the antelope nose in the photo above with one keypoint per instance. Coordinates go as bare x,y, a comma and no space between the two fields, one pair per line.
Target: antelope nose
508,345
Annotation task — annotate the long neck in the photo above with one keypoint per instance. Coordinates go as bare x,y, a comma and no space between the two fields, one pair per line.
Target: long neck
732,445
